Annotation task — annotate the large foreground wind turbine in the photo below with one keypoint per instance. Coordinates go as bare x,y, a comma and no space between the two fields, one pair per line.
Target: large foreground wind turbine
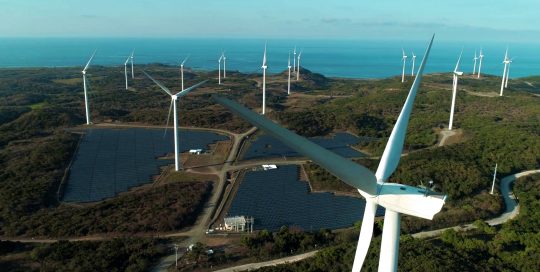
404,58
455,77
86,106
289,78
396,198
174,97
264,67
182,71
506,63
474,66
508,72
480,63
219,68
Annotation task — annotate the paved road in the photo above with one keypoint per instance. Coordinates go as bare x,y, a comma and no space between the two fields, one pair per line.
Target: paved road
252,266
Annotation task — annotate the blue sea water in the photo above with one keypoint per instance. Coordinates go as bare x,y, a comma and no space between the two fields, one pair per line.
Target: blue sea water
334,58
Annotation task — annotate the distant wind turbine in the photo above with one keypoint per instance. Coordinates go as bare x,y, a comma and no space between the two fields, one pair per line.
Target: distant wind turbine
289,78
294,60
174,97
474,66
298,70
508,72
506,62
224,65
480,63
86,106
395,198
413,60
264,67
125,70
132,70
219,68
182,71
455,74
404,58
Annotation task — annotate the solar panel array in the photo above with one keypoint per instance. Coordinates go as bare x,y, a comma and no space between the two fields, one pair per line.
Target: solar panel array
267,146
277,197
111,161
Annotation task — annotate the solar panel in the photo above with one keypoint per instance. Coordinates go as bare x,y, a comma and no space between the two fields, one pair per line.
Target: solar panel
111,161
277,197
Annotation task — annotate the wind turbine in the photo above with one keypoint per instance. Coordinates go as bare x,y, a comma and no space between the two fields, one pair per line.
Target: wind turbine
294,60
475,59
456,74
396,198
85,91
219,68
224,65
404,59
494,178
125,71
264,67
174,98
508,73
182,71
480,64
298,70
289,79
413,60
132,70
506,62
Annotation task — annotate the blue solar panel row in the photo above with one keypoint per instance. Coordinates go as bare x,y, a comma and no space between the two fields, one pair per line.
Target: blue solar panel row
267,146
277,197
111,161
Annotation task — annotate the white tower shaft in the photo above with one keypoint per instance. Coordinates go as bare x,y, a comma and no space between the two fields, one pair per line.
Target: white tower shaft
474,66
126,76
219,71
388,259
507,75
454,92
298,70
403,72
264,91
494,178
86,100
182,75
289,82
176,147
294,60
224,69
132,71
480,66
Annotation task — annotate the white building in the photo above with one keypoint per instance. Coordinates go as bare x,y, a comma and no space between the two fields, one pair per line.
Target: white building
239,223
195,151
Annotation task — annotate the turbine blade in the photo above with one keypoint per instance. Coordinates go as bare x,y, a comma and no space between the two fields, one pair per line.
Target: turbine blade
264,56
184,61
351,173
127,60
392,152
366,233
459,59
88,63
158,83
186,91
168,118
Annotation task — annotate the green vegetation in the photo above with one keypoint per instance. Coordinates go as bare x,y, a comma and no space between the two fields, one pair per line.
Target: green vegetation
120,254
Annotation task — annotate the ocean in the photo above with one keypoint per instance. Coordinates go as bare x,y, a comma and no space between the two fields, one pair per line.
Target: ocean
333,58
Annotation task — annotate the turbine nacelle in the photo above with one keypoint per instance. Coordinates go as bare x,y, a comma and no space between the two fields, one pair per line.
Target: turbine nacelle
458,73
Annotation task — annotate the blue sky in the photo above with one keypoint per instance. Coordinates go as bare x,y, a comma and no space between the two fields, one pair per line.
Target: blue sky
459,20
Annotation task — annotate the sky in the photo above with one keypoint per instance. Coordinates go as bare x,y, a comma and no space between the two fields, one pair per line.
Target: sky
456,20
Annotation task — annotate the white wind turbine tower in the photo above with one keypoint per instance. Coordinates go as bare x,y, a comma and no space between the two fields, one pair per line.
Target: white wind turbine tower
413,60
455,76
289,79
480,63
224,65
294,60
298,70
174,98
132,70
130,57
404,59
395,198
494,178
264,67
474,66
506,63
182,71
508,72
85,91
219,68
